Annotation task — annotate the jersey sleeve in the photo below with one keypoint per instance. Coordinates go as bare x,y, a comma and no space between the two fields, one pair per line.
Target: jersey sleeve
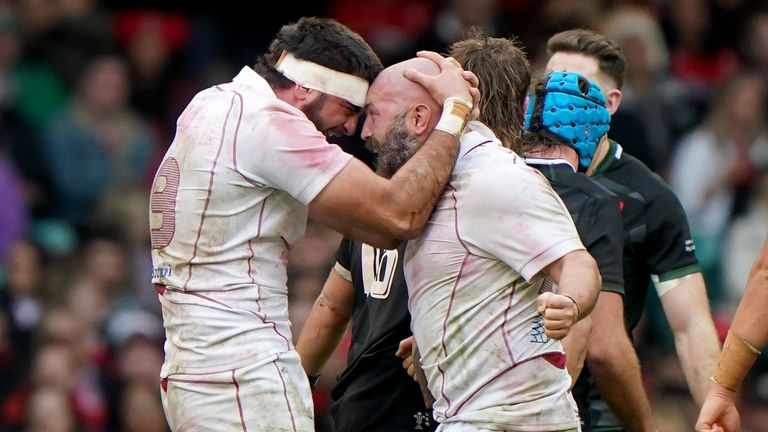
344,253
513,215
288,153
673,253
602,233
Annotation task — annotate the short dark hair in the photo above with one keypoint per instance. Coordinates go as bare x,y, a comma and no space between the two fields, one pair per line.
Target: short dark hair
504,73
608,53
324,41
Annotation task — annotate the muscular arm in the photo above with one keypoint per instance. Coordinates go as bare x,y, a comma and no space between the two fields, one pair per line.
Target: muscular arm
578,282
326,324
614,365
748,324
357,201
577,276
751,317
696,342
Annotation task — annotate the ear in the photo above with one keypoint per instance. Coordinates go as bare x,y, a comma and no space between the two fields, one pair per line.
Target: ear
420,120
302,95
612,100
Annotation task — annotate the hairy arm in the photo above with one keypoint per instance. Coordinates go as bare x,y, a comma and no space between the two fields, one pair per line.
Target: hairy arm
326,324
360,204
357,201
614,365
696,341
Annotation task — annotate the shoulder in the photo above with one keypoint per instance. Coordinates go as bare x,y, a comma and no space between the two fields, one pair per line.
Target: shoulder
633,173
502,173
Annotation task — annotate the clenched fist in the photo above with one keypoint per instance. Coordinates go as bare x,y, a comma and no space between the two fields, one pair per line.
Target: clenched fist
560,312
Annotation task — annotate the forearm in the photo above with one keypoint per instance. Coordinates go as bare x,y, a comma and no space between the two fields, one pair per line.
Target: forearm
748,333
326,324
414,190
749,323
616,371
685,304
698,348
580,279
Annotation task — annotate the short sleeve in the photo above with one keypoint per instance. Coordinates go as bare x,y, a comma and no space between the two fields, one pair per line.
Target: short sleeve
344,254
288,153
512,214
672,251
601,230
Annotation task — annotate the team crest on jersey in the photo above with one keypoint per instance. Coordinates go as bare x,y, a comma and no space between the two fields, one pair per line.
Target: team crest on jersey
378,270
422,420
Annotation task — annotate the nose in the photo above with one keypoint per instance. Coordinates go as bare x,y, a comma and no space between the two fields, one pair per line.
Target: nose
366,132
351,125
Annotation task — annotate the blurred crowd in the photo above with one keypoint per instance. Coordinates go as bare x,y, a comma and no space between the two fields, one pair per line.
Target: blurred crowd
89,94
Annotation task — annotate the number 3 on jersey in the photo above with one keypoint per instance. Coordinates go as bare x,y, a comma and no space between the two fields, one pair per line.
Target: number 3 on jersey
162,204
378,270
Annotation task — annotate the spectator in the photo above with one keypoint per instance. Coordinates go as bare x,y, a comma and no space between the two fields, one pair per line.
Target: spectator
98,144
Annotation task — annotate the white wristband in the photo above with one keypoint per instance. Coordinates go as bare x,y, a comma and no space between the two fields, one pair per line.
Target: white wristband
456,112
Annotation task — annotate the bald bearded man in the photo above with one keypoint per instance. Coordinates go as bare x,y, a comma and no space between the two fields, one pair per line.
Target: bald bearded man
496,279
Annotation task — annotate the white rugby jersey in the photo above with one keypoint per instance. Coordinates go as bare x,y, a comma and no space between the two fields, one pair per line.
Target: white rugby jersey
228,201
472,287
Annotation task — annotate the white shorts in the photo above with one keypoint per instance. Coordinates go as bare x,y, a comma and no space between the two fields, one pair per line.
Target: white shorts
272,395
468,427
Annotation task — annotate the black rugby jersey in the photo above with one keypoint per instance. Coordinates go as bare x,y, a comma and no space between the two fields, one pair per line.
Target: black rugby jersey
595,212
657,241
374,392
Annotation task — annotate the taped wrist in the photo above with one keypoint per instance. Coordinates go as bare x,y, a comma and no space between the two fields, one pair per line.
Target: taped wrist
456,114
735,361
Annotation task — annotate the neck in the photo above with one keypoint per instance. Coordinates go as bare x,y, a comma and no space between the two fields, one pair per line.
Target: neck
556,152
600,153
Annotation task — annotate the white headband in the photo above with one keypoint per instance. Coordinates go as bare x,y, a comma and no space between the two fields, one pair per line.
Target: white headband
316,77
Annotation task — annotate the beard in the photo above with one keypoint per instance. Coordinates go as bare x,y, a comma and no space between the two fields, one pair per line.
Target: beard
314,112
395,149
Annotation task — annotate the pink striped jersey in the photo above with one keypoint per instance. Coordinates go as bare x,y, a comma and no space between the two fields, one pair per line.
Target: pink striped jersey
473,279
228,201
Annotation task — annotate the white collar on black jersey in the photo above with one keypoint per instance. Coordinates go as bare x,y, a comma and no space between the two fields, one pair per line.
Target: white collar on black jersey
619,151
548,161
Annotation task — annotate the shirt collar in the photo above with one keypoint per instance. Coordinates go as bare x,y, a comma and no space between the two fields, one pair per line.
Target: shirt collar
249,77
476,134
548,161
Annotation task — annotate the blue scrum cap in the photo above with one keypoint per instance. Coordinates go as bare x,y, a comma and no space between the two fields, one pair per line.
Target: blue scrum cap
571,107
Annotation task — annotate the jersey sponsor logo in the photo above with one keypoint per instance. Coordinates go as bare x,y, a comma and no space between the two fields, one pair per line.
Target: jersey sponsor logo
378,270
161,272
689,246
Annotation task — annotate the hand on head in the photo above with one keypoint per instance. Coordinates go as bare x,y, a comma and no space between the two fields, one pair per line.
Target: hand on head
451,81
